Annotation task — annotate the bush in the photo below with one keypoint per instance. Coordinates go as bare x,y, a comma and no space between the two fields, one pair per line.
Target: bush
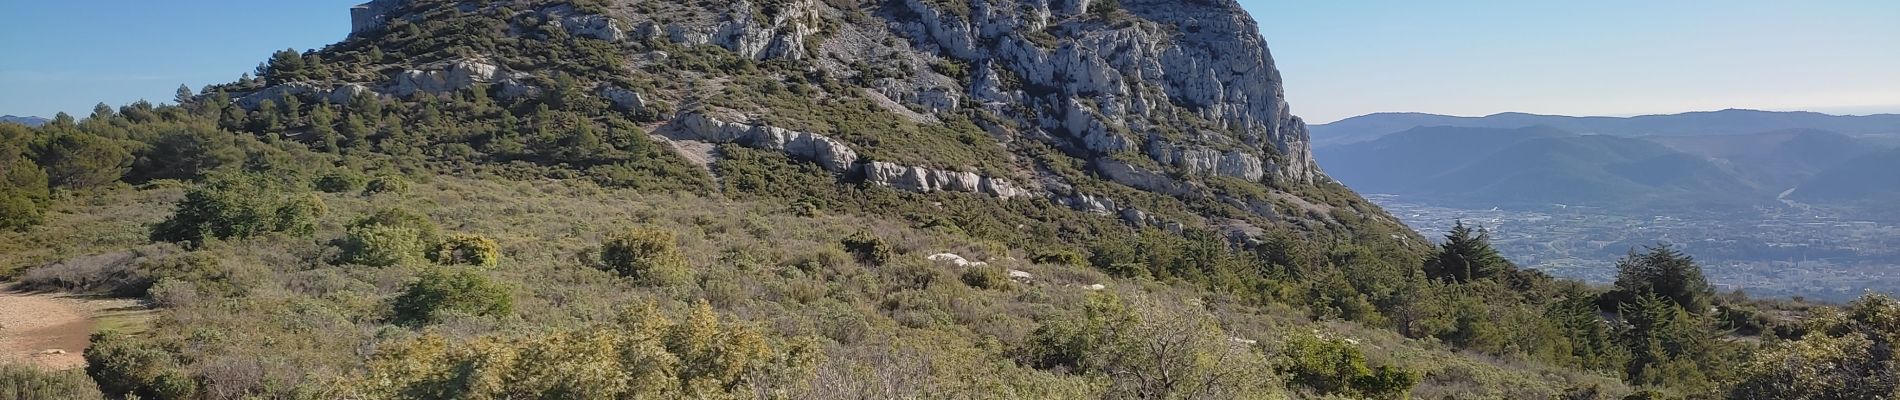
339,182
986,277
123,274
379,245
868,248
23,382
123,365
237,206
23,188
390,184
646,255
1058,257
468,249
1338,367
18,212
439,292
299,215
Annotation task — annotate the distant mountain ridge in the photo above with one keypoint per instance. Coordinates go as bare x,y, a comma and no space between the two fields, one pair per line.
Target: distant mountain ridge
1725,122
1540,166
28,121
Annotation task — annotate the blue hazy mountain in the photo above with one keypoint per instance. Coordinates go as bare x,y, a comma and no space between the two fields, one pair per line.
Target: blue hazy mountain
1540,166
1724,122
28,121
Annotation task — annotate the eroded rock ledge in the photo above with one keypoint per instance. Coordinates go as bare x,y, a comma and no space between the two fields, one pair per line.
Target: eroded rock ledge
835,156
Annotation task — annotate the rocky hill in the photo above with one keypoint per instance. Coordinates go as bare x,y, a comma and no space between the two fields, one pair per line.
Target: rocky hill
1071,101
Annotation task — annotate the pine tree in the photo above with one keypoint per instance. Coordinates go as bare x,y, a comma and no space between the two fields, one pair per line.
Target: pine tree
1664,272
1466,256
183,95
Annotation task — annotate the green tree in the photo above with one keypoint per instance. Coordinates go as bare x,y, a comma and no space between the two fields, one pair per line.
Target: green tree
1664,272
440,292
1465,256
23,185
79,161
186,152
237,206
1668,347
647,255
1332,366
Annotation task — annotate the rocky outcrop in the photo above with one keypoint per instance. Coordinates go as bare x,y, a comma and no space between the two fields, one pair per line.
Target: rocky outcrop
830,153
372,16
623,99
835,156
339,94
1202,58
599,27
1140,178
1207,161
459,75
926,180
779,30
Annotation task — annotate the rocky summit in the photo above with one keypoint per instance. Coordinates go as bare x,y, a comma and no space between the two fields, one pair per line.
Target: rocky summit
1179,99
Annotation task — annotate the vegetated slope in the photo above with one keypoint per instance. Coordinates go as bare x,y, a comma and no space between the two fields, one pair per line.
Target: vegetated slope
1724,122
801,199
1870,180
1777,159
1534,167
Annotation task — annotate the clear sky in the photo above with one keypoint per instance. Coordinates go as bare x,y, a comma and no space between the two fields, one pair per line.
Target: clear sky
1340,58
1598,57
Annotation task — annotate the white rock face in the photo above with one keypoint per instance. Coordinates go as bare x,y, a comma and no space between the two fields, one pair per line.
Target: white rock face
834,155
779,34
624,99
373,15
459,75
1205,57
1207,161
925,180
599,27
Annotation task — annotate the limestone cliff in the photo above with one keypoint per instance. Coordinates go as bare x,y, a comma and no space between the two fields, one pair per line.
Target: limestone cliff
1174,98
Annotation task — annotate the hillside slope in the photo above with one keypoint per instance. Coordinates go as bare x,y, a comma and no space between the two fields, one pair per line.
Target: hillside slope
1536,167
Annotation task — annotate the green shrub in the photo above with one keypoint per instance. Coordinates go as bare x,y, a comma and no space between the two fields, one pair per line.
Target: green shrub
868,248
1338,367
234,206
24,382
299,215
469,250
986,277
379,245
123,365
1059,257
646,255
339,182
439,292
18,212
389,184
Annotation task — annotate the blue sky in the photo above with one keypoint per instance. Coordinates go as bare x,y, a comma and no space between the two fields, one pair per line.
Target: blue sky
1340,58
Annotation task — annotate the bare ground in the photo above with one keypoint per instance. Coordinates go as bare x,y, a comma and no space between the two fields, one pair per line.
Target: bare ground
51,330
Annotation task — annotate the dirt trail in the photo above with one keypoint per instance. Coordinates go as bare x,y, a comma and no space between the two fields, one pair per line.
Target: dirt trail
50,329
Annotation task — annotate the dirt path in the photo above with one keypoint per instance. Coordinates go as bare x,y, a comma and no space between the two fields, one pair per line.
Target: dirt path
51,329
